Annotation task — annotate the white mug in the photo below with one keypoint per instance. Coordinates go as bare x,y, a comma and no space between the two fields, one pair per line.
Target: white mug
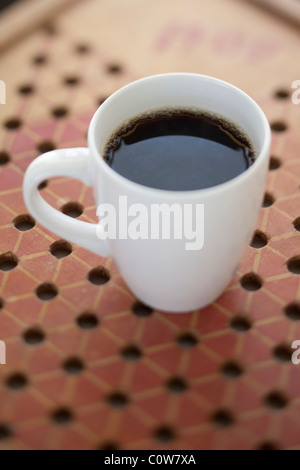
163,273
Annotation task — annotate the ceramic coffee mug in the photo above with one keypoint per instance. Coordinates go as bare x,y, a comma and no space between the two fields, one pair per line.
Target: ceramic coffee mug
162,272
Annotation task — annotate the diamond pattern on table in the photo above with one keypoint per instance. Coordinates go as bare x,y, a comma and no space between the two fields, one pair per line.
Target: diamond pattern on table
137,400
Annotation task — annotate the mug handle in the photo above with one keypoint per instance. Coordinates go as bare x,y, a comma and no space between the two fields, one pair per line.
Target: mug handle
74,163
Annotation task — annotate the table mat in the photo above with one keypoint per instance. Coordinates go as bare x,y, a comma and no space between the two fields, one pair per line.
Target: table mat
88,366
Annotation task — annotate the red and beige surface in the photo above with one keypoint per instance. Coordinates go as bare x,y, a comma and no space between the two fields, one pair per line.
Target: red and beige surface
87,366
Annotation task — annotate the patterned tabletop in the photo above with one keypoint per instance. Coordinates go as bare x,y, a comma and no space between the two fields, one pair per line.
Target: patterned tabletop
88,366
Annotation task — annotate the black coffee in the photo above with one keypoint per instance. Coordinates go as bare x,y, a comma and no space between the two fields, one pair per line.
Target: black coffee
179,149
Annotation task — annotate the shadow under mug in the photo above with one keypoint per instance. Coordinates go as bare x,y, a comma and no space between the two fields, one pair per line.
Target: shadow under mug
162,272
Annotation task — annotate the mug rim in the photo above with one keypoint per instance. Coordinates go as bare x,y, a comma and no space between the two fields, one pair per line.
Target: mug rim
239,179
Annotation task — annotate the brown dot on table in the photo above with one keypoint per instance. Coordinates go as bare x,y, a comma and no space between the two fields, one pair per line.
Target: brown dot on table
240,323
293,265
50,29
187,340
62,416
73,366
268,200
282,93
267,445
5,431
87,321
60,249
131,353
164,433
43,185
176,385
109,445
101,100
223,418
46,291
39,59
118,399
82,48
60,112
46,146
259,240
1,303
296,224
26,89
8,261
283,353
274,163
4,158
99,276
292,311
251,282
24,222
231,370
114,69
278,126
72,209
34,336
276,400
141,310
71,80
13,124
17,381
